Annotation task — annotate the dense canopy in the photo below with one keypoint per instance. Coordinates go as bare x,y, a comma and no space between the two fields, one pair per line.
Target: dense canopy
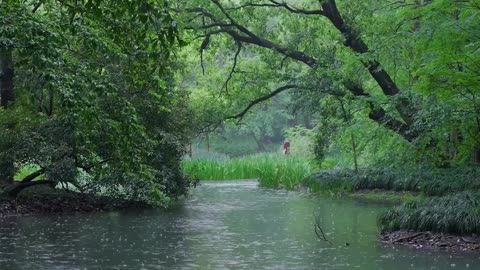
105,96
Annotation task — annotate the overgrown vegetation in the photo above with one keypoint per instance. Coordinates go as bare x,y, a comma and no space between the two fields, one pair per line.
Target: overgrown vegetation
88,98
426,180
273,170
457,214
105,96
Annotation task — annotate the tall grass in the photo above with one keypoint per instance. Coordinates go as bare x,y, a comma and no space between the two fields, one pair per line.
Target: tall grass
272,170
457,214
429,181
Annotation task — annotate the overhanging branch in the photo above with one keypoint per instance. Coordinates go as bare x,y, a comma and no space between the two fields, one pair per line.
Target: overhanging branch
33,175
261,99
21,186
276,4
234,66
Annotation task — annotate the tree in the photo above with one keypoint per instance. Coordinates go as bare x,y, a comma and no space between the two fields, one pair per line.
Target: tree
92,102
373,52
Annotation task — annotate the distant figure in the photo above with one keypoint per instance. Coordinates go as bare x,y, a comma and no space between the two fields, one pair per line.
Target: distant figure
286,146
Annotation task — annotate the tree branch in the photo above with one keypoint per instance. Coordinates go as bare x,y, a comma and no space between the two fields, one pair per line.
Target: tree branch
276,4
21,186
203,47
241,34
91,166
37,6
352,40
261,99
33,175
234,66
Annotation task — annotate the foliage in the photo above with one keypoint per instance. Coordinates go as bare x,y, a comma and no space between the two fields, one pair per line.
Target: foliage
300,139
426,51
95,104
457,214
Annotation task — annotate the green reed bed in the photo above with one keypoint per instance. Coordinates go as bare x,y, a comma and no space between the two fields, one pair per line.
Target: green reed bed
272,170
456,214
429,181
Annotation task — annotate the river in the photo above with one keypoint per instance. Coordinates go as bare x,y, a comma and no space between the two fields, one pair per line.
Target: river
222,225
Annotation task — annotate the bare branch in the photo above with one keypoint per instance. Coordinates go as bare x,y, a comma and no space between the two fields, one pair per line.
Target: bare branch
276,4
261,99
204,46
17,188
237,25
36,7
235,59
33,175
321,231
241,34
91,166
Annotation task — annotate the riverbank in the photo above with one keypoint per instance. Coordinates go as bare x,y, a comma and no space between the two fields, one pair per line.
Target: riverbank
443,201
432,240
43,200
436,208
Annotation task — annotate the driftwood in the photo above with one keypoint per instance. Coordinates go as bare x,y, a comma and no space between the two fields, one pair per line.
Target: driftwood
406,238
434,240
322,237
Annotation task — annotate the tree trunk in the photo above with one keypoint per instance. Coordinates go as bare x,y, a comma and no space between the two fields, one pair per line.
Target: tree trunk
354,148
7,73
260,146
379,74
13,192
7,95
208,142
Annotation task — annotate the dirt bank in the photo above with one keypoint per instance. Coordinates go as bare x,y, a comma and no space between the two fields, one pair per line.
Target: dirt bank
432,240
47,200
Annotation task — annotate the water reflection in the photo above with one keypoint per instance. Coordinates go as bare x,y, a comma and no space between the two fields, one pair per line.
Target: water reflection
226,225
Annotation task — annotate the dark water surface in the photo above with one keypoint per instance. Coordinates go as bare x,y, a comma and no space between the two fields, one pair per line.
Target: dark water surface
224,225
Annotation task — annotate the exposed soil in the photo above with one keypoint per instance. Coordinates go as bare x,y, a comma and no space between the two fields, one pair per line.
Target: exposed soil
47,200
432,240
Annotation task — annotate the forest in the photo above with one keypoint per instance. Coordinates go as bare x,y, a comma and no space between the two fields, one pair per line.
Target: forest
111,105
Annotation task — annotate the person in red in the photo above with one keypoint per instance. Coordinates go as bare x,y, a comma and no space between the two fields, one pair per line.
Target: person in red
286,146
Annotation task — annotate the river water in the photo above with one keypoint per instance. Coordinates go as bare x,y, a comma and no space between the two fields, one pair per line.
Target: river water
223,225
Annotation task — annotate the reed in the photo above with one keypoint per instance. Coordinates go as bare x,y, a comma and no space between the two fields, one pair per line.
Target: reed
429,181
272,170
455,214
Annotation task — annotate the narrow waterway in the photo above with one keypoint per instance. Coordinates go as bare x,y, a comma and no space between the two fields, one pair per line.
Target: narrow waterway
223,225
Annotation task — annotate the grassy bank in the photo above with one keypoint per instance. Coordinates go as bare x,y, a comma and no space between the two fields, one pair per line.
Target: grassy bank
272,170
455,214
449,200
428,181
445,201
